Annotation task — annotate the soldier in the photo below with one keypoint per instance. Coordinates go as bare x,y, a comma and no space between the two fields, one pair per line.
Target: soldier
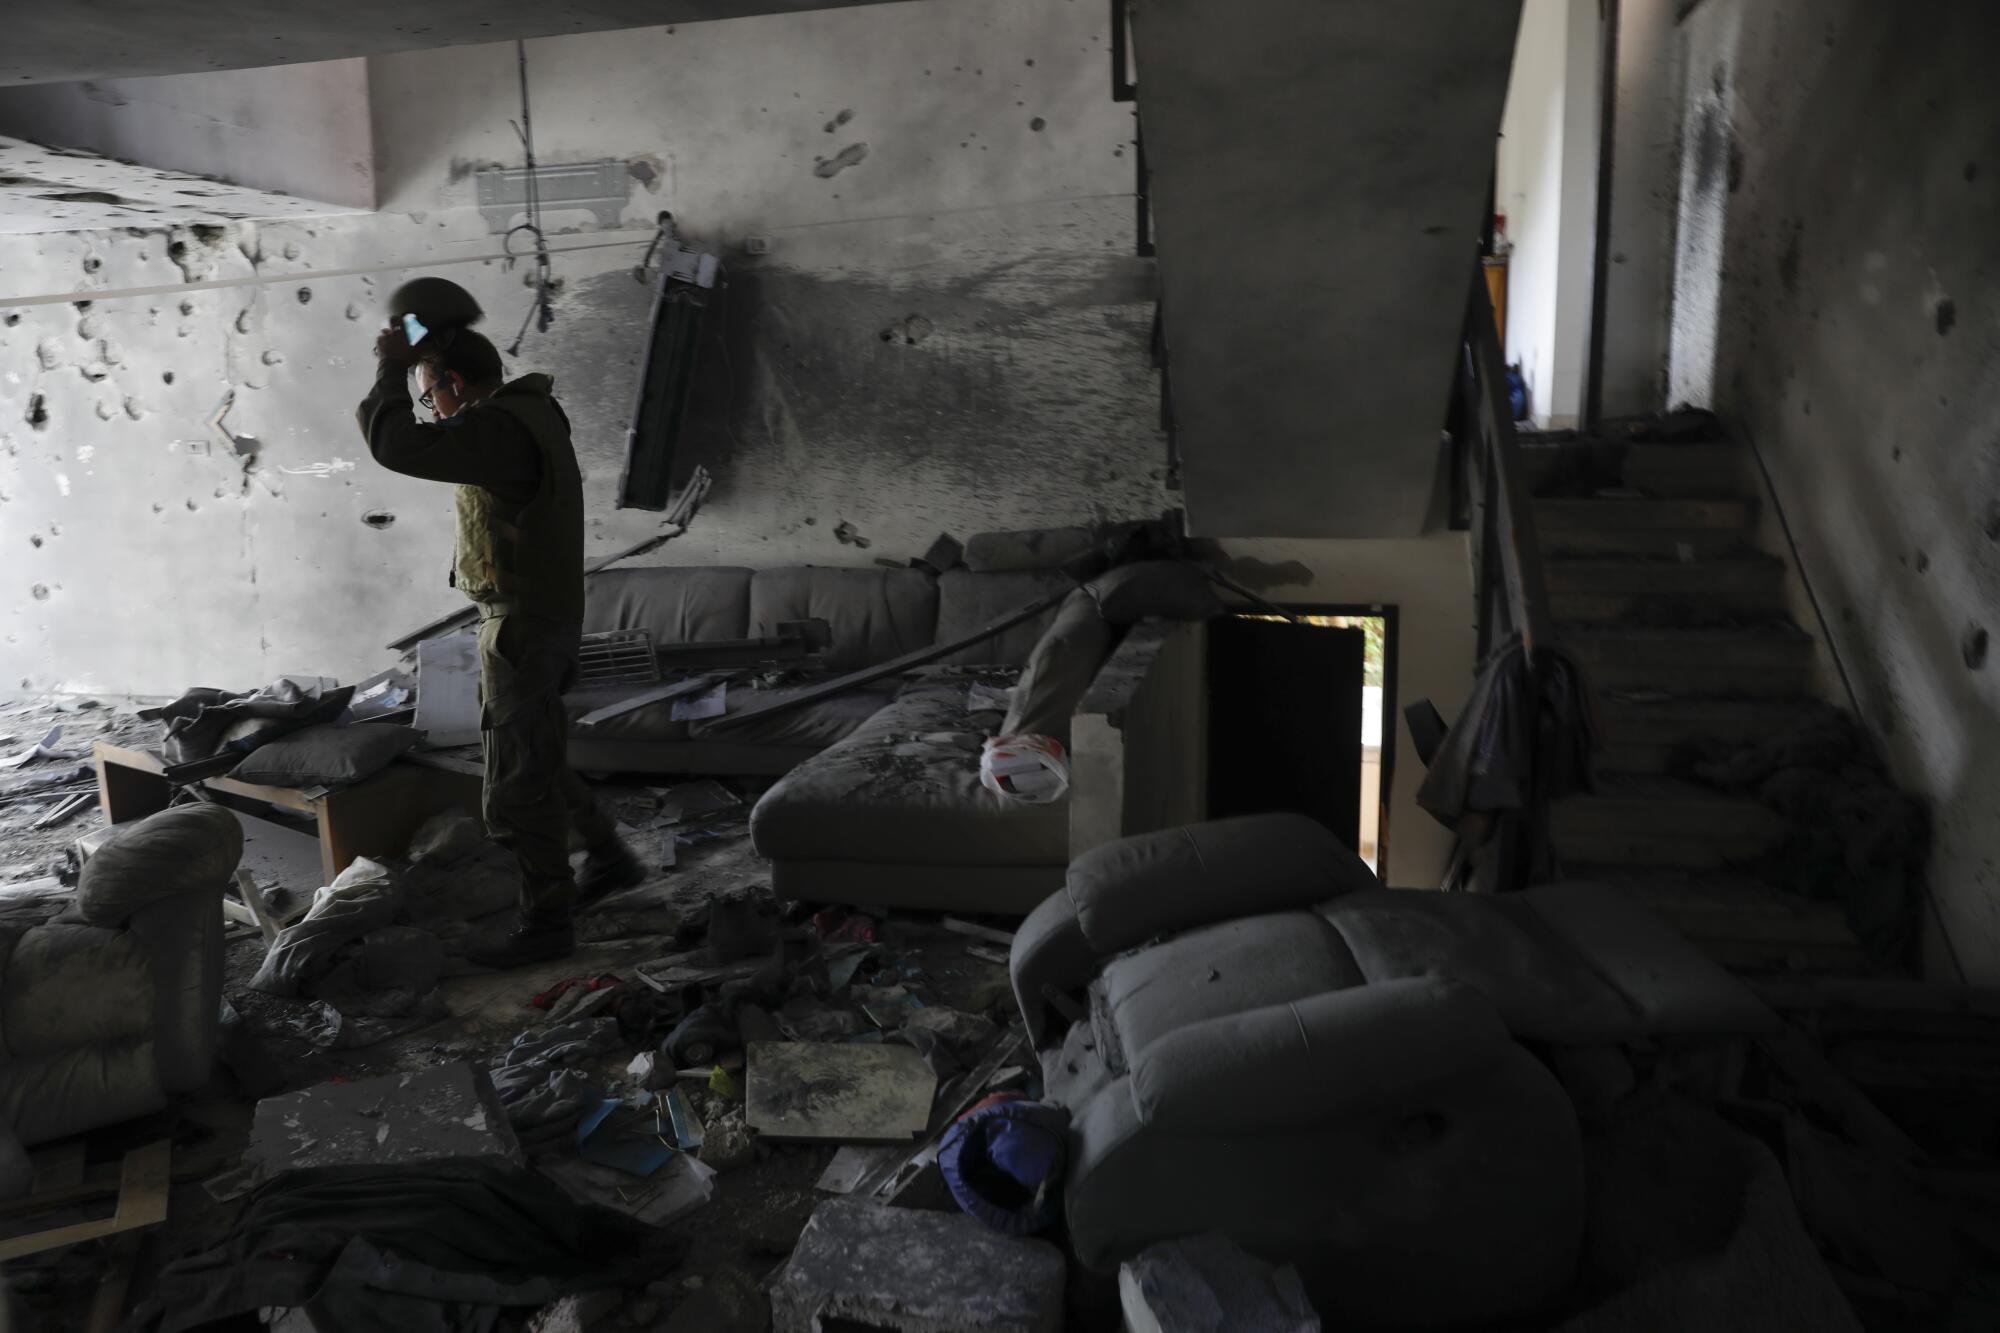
519,557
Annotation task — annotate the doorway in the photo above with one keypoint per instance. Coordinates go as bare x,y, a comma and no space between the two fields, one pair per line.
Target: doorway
1295,719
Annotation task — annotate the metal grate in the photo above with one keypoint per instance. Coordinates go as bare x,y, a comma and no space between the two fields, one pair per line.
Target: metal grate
618,657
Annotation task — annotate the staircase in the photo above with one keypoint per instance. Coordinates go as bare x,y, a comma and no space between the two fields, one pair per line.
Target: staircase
1659,589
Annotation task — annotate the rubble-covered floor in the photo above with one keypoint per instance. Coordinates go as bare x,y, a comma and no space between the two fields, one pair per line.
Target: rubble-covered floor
764,1192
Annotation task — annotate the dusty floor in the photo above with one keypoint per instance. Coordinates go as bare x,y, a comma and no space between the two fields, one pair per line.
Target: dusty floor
735,1240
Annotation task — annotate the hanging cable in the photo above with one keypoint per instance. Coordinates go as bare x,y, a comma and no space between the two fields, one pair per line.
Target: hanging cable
541,311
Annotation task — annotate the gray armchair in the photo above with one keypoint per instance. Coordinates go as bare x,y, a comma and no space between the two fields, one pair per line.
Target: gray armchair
1253,1037
110,1009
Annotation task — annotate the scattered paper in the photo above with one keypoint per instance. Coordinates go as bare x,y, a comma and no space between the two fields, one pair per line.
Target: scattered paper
41,749
672,1192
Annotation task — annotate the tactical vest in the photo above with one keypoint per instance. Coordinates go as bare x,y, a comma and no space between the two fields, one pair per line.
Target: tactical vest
532,560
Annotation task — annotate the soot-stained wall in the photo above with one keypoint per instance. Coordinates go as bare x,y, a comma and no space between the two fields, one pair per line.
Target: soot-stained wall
1836,294
948,332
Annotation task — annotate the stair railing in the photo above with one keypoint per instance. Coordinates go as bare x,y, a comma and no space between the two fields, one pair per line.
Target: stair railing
1494,503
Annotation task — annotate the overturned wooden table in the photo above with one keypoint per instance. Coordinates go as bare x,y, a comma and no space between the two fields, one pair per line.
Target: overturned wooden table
376,817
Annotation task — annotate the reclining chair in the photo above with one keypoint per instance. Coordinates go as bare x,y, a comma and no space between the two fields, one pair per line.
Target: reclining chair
110,998
1252,1036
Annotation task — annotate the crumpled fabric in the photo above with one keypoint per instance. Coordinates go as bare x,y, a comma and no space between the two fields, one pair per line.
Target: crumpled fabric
1851,834
206,722
1526,736
430,1247
544,1098
362,898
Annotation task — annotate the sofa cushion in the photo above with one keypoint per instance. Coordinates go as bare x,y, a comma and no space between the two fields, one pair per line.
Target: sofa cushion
182,850
1031,548
1059,671
679,603
1166,589
72,985
327,755
875,614
816,725
1229,968
78,1089
967,601
904,788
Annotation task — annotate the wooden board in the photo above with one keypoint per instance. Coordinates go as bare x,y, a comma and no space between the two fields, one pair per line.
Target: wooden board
844,1092
142,1202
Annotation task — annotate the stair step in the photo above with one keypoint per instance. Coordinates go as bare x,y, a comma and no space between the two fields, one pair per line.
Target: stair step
1757,661
1740,920
1661,821
1643,734
1666,591
1678,529
1567,515
1706,469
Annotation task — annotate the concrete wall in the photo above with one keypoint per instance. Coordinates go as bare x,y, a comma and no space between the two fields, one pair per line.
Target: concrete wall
949,333
1429,582
1835,296
1545,182
300,129
1645,189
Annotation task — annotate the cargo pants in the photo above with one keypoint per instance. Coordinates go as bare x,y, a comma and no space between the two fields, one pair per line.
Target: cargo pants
531,799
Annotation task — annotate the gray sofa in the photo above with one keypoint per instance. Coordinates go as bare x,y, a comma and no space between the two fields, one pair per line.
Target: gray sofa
878,800
110,996
1336,1075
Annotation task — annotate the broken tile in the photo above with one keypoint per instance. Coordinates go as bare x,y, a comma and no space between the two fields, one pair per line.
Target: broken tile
837,1092
446,1111
916,1270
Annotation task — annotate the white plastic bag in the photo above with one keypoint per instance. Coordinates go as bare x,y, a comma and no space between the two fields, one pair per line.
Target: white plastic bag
1025,768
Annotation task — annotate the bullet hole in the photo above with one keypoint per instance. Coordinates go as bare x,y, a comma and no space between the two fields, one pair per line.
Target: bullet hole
40,592
1923,561
1896,453
158,508
1947,316
192,506
812,522
305,295
1038,124
827,167
243,320
132,408
915,329
35,540
378,518
105,411
888,335
80,306
272,358
353,310
291,249
1031,64
846,534
166,377
38,412
13,318
187,307
1973,646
